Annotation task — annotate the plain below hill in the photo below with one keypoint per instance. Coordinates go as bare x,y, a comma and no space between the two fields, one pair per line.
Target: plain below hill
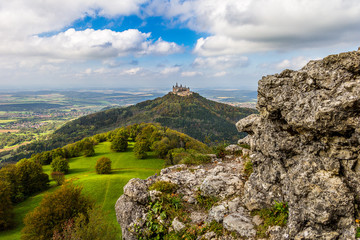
194,115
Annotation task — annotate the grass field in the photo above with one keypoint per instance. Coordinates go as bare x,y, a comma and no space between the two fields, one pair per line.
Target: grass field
105,189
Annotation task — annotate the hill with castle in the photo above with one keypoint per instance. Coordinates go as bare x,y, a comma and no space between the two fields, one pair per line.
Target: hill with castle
180,109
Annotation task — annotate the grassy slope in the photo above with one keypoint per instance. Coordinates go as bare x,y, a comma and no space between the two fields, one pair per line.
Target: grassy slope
105,189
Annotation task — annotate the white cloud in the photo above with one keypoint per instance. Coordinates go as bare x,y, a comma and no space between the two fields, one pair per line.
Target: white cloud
132,71
191,74
294,63
245,26
90,44
220,74
221,62
170,70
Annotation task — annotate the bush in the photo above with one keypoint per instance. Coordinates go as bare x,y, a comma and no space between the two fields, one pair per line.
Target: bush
6,208
91,227
119,144
248,168
88,149
60,164
30,178
103,165
58,177
276,215
196,159
164,186
140,149
54,210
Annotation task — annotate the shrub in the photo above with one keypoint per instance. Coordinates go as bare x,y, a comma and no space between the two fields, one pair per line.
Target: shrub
91,227
88,149
60,164
248,168
55,209
276,215
58,177
30,178
206,202
140,149
119,144
6,208
103,165
196,159
164,186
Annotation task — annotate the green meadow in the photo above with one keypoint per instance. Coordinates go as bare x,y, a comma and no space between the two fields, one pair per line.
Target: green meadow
104,189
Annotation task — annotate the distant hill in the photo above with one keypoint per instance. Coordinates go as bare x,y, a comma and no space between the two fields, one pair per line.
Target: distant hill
194,115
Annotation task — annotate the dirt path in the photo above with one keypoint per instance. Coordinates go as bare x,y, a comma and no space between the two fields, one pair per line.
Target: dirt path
15,147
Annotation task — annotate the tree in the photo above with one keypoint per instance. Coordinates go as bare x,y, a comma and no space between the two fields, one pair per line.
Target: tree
103,165
60,164
119,143
88,149
93,227
140,149
30,177
55,209
6,208
58,177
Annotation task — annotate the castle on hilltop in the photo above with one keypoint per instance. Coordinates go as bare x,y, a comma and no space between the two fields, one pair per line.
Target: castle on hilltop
181,90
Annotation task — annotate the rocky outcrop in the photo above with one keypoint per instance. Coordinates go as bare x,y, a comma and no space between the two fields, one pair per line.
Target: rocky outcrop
221,180
305,145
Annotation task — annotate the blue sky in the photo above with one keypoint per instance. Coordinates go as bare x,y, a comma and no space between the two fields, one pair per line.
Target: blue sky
154,43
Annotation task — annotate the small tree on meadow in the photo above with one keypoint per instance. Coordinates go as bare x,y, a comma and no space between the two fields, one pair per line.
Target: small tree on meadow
140,149
119,143
54,210
60,164
58,177
103,166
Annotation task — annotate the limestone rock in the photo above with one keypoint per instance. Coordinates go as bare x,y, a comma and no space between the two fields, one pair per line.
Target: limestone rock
305,144
240,224
177,225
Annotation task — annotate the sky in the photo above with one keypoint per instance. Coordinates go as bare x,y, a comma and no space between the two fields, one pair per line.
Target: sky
218,44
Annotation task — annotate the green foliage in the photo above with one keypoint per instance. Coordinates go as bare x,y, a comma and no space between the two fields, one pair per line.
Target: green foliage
103,166
276,215
206,202
60,164
220,151
6,207
140,149
357,235
119,143
248,168
159,216
58,177
90,226
245,146
55,209
88,149
30,178
195,159
164,186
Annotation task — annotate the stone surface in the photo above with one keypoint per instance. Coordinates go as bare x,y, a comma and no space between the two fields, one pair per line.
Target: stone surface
305,144
232,148
177,225
240,224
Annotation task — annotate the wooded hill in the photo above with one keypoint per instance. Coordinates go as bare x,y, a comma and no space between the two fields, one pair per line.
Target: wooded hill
194,115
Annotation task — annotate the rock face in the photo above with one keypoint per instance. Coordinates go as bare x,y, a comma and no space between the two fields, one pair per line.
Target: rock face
305,144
